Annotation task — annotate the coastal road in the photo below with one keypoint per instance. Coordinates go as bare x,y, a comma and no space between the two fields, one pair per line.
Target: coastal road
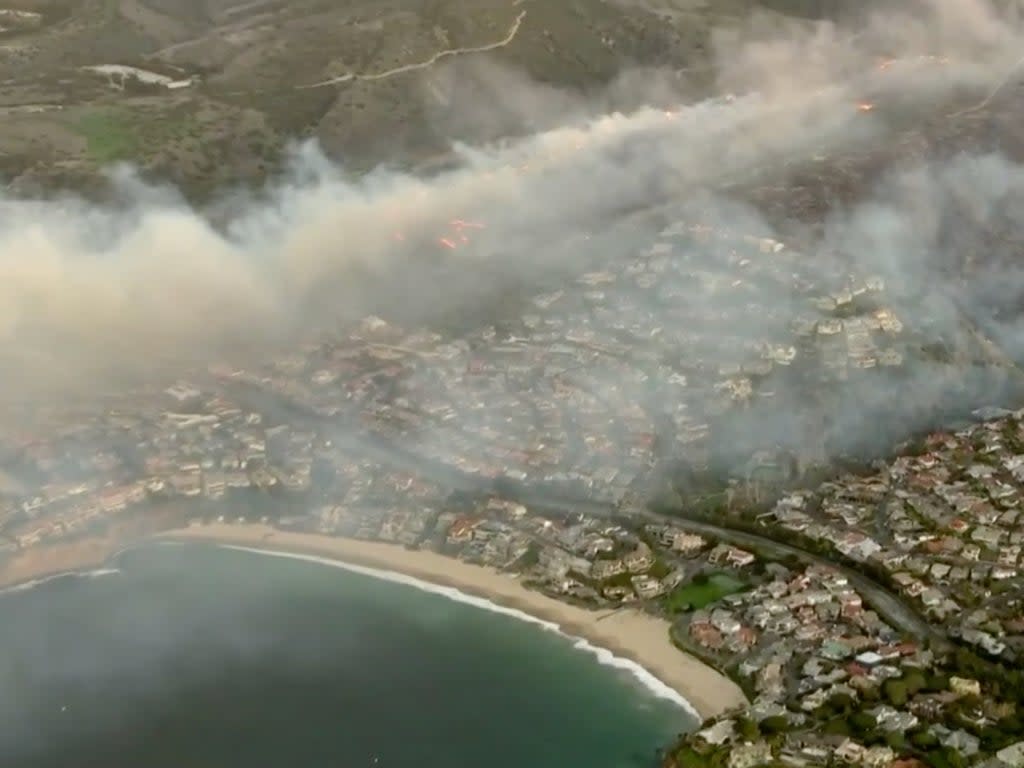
386,451
886,604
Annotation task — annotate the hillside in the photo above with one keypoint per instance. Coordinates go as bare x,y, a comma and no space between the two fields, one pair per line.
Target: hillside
207,92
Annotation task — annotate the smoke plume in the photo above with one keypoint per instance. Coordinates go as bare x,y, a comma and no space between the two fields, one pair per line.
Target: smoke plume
90,293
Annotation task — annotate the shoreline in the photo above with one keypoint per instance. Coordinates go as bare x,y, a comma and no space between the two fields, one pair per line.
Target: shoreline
626,638
85,551
45,563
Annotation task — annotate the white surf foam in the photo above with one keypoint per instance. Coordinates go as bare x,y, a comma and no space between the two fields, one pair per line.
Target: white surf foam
605,657
32,584
100,572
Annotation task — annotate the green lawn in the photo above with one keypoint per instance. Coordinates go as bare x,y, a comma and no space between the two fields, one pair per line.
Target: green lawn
693,595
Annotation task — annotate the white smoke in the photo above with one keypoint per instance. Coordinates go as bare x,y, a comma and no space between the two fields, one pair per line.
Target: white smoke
89,291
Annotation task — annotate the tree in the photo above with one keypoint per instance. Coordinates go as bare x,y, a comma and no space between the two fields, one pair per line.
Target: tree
937,683
862,722
924,739
659,570
666,502
837,727
896,740
915,681
531,556
791,561
748,729
870,695
896,692
687,757
995,738
1011,724
946,757
774,724
841,703
718,759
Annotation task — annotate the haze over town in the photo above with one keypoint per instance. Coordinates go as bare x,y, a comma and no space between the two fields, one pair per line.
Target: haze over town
674,347
114,286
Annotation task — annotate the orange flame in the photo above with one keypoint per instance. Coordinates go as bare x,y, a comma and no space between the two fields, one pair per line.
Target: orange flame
865,106
447,243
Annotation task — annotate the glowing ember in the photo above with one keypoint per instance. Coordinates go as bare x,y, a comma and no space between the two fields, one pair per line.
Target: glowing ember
457,233
865,106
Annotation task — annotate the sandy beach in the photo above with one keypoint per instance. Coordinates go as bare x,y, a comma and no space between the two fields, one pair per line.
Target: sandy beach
86,552
40,562
628,634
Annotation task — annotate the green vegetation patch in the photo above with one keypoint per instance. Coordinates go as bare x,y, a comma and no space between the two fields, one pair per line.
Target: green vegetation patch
109,135
120,133
702,591
690,758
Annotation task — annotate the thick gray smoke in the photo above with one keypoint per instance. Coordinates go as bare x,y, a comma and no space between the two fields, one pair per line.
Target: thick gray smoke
95,296
89,292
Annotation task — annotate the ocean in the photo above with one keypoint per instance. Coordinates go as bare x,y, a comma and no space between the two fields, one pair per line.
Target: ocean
197,656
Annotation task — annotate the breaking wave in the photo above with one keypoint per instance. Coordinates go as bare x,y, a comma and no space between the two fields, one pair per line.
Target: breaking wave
604,657
33,583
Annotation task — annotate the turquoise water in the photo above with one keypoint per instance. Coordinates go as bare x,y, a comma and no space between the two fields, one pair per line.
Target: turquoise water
195,656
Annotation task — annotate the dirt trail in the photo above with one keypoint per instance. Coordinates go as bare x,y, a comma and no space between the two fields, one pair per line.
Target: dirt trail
996,90
450,52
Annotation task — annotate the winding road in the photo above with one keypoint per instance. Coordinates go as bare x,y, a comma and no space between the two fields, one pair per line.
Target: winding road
447,53
890,607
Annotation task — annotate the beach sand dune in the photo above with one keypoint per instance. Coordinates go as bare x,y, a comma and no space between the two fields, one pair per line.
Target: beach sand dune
627,634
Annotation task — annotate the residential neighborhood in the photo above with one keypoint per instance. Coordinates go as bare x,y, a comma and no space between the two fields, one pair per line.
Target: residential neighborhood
532,444
941,526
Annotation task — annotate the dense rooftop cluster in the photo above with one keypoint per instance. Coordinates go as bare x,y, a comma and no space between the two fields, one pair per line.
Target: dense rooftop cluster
523,445
941,527
583,392
830,683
